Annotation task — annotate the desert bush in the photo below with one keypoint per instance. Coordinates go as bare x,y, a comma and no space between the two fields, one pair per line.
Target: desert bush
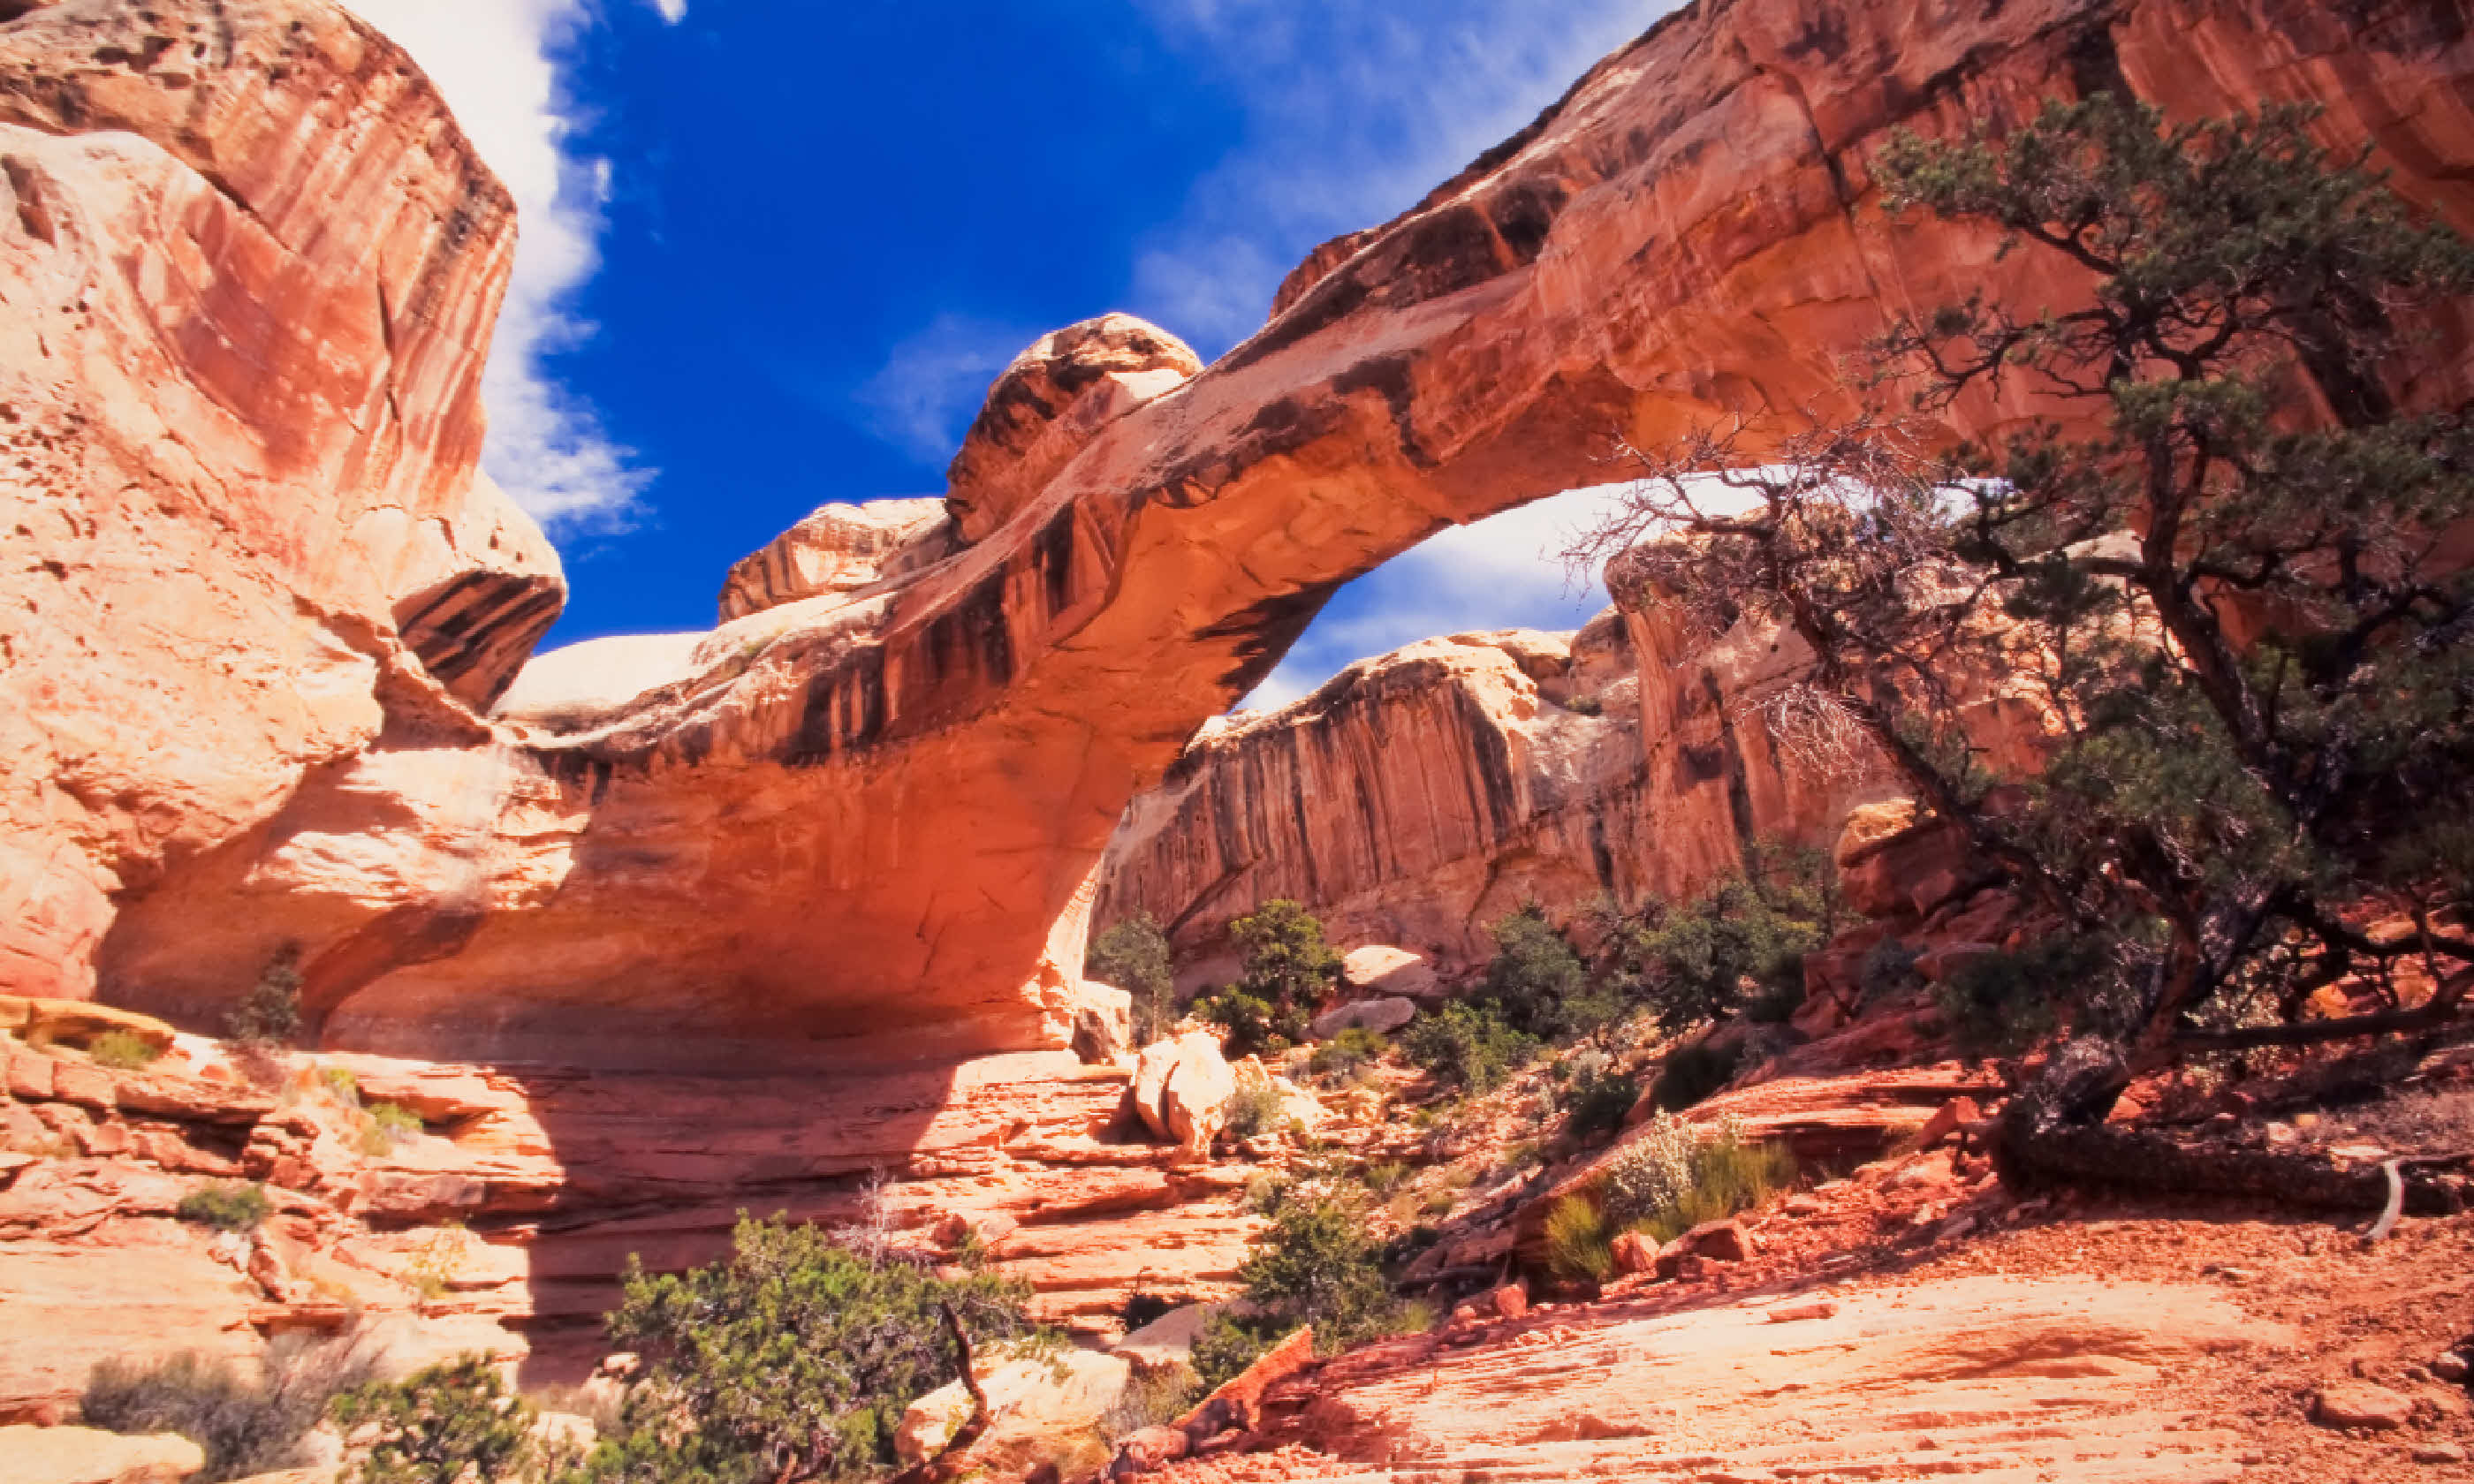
269,1016
1598,1101
1255,1026
1587,706
1998,1004
452,1424
1229,1343
1579,1244
793,1357
1745,937
1671,1179
1256,1108
1287,961
247,1424
386,1125
1133,955
1152,1400
1345,1054
123,1051
1466,1046
1317,1263
233,1207
1692,1072
1384,1176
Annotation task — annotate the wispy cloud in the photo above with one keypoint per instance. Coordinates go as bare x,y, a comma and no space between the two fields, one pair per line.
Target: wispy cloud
1503,572
1355,109
496,61
922,399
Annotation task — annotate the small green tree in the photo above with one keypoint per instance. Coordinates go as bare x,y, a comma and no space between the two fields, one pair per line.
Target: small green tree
791,1359
1543,987
1468,1046
234,1206
452,1424
1316,1264
269,1016
1133,955
1739,940
1287,961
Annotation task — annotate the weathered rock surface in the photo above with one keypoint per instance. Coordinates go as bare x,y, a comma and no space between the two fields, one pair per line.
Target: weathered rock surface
838,549
1993,1377
1041,1410
1373,1014
248,269
901,790
85,1455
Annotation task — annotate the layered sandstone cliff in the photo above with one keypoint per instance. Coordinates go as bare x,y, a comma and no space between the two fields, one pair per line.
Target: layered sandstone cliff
248,271
1420,797
875,812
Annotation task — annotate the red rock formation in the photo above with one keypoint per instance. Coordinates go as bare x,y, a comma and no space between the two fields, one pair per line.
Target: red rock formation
877,814
1413,800
248,269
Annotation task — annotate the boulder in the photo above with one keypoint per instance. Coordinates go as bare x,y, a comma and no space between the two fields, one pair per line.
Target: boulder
1510,1301
2361,1404
1895,860
1715,1241
1148,1451
838,549
1167,1343
1635,1253
1955,1116
1158,1068
1379,968
1195,1102
1042,1409
1374,1014
87,1455
1103,1022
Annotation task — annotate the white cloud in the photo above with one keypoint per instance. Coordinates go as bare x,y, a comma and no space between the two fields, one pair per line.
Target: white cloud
1504,572
1354,109
494,62
672,11
923,398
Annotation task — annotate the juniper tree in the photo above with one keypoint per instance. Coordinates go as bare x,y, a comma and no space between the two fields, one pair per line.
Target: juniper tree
2223,587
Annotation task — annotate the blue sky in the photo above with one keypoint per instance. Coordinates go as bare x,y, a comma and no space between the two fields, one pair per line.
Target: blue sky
774,251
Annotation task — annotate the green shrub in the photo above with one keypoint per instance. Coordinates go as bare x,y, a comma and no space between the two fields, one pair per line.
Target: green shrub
1287,962
1579,1245
1888,969
387,1125
1256,1108
1133,955
1691,1073
246,1425
1230,1342
1353,1048
452,1424
1651,1174
1999,1004
1255,1026
227,1207
1318,1263
1598,1100
795,1357
269,1016
1670,1180
1585,706
123,1050
1152,1400
1466,1046
341,1085
1777,1003
1384,1176
1744,936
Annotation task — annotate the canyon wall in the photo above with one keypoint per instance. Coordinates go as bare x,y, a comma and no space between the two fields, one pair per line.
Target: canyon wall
1418,798
248,272
873,814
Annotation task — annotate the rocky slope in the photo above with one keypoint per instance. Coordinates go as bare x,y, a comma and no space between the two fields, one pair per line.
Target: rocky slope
874,813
